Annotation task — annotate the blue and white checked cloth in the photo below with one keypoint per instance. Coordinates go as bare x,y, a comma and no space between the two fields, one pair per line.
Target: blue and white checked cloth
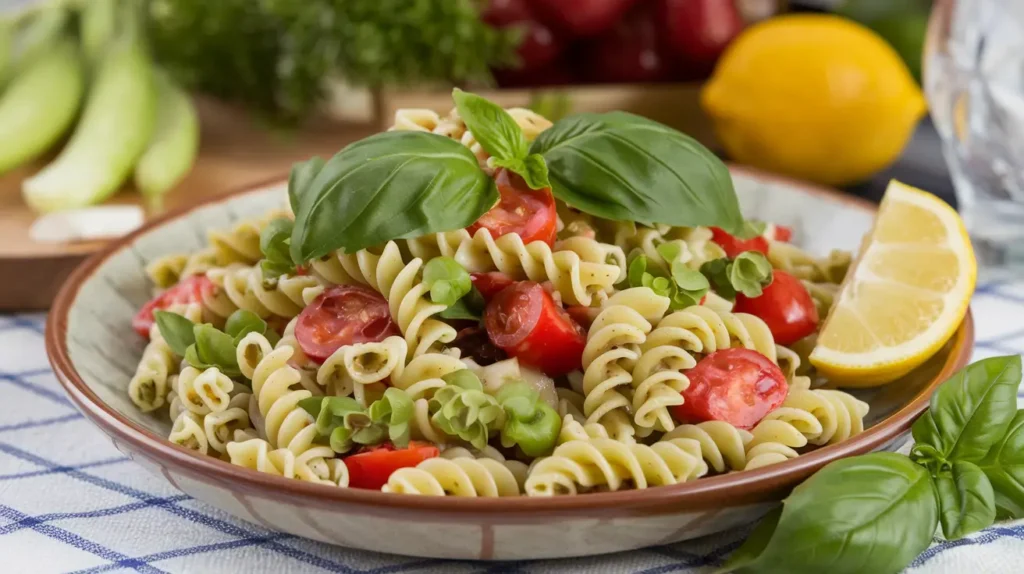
69,502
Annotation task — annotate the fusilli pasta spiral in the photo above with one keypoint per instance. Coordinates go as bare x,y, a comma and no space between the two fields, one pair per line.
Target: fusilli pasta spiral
245,288
460,476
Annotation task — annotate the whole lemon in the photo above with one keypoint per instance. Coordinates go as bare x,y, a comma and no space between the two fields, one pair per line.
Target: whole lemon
813,96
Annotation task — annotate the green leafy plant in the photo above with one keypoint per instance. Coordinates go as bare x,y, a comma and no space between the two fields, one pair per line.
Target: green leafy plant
749,273
876,512
530,423
501,137
682,285
388,186
204,346
462,409
623,167
450,285
344,423
274,241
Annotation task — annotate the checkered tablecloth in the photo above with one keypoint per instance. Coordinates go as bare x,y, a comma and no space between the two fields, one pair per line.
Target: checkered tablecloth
69,502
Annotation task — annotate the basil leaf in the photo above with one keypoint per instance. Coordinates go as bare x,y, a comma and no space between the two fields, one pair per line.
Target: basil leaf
717,272
965,500
751,229
636,271
302,175
870,513
754,544
447,280
971,411
274,241
312,405
392,185
669,251
176,330
626,168
241,323
533,169
215,347
1004,467
470,307
493,128
749,273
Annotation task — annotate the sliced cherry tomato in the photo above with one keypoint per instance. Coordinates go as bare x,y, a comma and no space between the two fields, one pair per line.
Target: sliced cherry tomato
343,315
190,290
530,213
785,306
738,386
782,233
525,322
371,468
733,245
490,283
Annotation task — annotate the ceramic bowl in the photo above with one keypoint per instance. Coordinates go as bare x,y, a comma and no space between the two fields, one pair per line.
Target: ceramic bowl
94,353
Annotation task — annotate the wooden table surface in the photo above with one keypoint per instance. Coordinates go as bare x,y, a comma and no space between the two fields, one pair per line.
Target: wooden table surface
235,152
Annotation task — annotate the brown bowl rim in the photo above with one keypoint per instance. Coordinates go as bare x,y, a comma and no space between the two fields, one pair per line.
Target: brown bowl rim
718,491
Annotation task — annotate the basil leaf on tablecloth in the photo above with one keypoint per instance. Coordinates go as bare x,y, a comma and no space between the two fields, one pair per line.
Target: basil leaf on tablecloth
622,167
971,411
965,500
1004,467
393,185
871,513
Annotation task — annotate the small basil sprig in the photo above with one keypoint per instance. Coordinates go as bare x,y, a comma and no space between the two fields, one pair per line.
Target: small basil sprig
462,409
623,167
450,285
344,423
683,286
393,185
501,137
204,346
966,469
530,423
274,241
748,273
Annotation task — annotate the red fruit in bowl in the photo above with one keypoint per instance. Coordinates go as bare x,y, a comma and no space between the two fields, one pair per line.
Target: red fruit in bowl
554,73
697,31
582,17
629,52
539,45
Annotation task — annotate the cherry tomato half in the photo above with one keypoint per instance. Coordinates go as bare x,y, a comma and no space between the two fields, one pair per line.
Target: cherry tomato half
733,245
490,283
372,467
190,290
785,306
530,213
782,233
738,386
343,315
525,322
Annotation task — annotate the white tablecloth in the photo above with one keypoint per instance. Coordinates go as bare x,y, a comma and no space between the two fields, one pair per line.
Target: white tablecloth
70,502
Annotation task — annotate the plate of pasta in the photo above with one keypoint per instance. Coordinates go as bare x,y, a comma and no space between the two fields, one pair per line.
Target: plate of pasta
483,335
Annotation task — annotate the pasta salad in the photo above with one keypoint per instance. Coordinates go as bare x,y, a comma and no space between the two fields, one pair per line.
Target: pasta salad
488,304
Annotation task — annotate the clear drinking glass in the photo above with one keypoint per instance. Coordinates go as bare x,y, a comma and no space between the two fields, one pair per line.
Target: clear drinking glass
974,81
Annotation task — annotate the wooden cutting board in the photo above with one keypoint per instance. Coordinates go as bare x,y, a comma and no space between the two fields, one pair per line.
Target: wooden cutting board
235,152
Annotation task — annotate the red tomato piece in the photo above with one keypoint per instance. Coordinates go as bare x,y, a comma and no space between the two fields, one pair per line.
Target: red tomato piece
785,306
490,283
190,290
738,386
371,468
530,213
343,315
539,46
782,233
525,322
733,245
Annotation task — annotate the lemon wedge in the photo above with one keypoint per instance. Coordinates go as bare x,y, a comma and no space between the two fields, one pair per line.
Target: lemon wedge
905,295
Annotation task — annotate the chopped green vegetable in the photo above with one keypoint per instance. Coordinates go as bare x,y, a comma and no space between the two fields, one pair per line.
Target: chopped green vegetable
531,424
175,143
447,280
115,127
40,104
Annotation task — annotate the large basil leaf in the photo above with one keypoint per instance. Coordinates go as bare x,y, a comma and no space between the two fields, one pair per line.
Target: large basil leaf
873,513
1004,467
302,175
965,500
623,167
392,185
493,128
970,411
176,330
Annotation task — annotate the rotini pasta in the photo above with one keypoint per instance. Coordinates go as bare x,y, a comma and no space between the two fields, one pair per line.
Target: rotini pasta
245,288
461,476
802,265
